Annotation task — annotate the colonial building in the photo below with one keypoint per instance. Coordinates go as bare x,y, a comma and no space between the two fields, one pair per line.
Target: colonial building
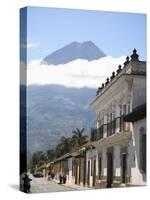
120,133
116,153
60,166
138,145
72,165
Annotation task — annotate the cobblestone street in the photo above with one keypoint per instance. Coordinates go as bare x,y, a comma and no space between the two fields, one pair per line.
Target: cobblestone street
39,185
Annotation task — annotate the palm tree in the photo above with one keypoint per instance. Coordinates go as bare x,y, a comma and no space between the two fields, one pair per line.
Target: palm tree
78,138
50,154
64,146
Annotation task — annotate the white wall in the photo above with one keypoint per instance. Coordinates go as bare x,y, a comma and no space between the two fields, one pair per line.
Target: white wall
104,163
91,154
139,91
69,178
116,161
133,169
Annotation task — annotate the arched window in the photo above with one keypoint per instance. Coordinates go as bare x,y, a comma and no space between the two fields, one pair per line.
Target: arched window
142,148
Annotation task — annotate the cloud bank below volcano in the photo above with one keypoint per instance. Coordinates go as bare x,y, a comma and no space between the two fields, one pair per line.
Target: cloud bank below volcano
78,73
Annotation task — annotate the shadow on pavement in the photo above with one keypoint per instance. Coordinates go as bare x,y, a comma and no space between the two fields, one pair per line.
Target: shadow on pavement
14,186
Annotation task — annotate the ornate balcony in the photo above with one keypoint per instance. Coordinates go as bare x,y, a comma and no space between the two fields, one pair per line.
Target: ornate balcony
97,134
115,127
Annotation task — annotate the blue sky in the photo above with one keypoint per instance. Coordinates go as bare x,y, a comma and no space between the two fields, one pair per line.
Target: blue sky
115,33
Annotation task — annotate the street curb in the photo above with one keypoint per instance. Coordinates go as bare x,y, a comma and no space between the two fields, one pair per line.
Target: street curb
70,186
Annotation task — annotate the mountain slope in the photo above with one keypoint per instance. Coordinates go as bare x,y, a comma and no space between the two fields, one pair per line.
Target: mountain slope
54,111
75,50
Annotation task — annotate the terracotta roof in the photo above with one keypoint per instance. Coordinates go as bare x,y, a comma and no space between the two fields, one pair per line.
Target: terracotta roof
74,152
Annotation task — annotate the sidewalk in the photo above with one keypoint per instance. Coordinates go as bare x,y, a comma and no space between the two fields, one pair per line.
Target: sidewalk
73,186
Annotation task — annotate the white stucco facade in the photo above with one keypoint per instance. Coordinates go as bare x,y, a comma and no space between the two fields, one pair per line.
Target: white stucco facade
91,155
117,139
137,176
116,154
69,175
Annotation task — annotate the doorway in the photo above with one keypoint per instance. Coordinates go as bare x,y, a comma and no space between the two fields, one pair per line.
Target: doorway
124,167
84,172
76,171
88,175
94,173
109,169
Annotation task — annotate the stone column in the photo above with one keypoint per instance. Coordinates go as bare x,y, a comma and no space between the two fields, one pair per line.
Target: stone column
104,169
116,166
70,169
105,126
131,161
91,168
128,124
104,163
97,166
117,118
97,120
97,123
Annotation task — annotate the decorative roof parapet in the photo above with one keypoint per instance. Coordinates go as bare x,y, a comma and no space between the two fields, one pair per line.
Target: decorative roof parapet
134,56
98,90
113,76
119,69
107,81
127,61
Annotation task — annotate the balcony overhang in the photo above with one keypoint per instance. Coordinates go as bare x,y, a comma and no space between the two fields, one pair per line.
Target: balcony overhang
137,114
117,138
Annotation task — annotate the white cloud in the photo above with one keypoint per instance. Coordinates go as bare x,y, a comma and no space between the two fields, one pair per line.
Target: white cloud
79,73
30,45
46,51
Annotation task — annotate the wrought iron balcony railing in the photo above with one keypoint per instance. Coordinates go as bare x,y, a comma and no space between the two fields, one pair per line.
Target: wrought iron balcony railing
117,125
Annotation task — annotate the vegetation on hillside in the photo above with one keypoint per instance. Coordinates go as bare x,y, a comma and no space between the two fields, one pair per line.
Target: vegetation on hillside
65,145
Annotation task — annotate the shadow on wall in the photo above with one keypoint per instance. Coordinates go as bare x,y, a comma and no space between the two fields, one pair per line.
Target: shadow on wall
136,155
132,157
140,141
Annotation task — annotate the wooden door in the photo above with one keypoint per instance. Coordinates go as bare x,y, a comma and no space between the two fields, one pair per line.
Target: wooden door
109,169
124,168
88,175
79,164
76,172
94,173
84,171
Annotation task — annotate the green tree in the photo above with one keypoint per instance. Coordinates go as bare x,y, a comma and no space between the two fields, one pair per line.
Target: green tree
64,146
39,158
78,138
50,154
